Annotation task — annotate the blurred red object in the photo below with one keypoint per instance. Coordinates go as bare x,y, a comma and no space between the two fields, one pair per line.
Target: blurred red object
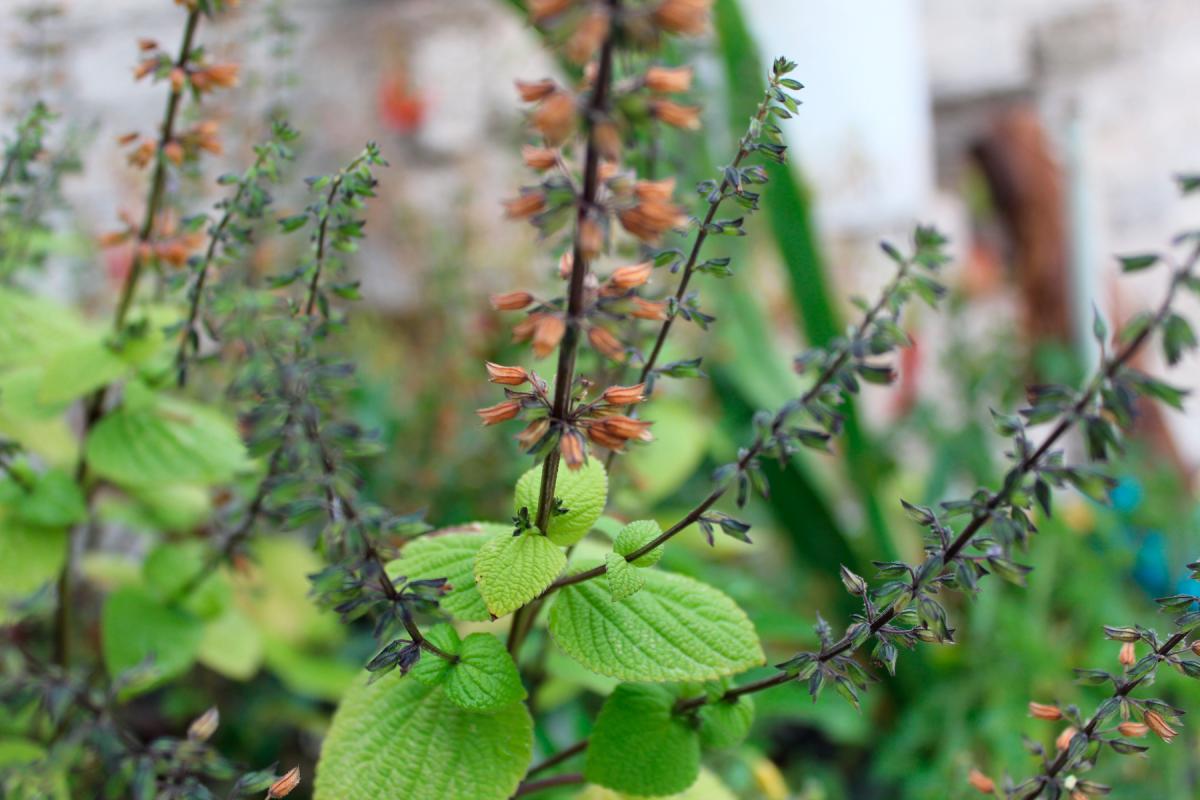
400,109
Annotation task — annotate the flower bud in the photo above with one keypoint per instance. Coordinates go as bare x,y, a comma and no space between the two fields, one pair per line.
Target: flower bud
574,450
676,115
204,726
539,158
506,376
624,395
1134,730
591,237
541,10
525,204
1064,739
548,331
532,91
1046,712
533,433
648,309
981,782
668,80
605,343
632,276
501,412
686,17
284,786
1128,655
554,118
177,77
587,37
511,301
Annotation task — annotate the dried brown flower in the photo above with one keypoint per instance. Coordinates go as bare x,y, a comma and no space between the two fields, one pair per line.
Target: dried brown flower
1128,655
542,10
573,449
511,301
605,343
526,204
1046,712
625,278
533,91
1134,730
1155,722
547,332
533,433
204,726
284,786
539,158
654,213
981,782
676,115
686,17
1064,739
624,395
587,37
648,309
554,118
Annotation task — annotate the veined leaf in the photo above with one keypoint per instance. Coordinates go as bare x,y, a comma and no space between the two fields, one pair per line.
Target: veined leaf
640,746
484,678
399,738
30,557
674,629
450,554
512,570
583,493
624,579
136,628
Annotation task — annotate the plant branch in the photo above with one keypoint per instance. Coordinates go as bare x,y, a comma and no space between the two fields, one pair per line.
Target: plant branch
529,787
319,265
558,758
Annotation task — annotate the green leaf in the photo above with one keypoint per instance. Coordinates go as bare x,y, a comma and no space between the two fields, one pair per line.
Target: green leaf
33,329
399,738
583,493
232,646
624,579
54,501
165,440
450,554
170,570
636,535
707,787
725,723
78,370
512,570
30,557
483,679
1139,262
136,628
674,629
639,746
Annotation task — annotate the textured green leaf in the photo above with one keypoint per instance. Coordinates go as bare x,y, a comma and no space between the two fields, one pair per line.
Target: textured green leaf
400,738
171,568
512,570
166,440
583,493
232,646
483,679
450,554
707,787
33,329
636,535
674,629
725,723
624,579
54,500
639,746
78,370
135,627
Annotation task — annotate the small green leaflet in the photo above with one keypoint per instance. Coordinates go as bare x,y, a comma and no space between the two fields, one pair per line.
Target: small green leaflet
636,535
30,557
512,570
483,679
583,493
674,629
450,554
624,579
639,746
136,630
724,723
399,738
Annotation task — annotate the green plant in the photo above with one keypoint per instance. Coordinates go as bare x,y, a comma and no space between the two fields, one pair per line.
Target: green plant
215,415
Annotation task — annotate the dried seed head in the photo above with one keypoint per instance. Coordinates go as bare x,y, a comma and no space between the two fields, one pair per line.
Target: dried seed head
605,343
542,10
1046,712
686,17
506,376
548,331
1128,655
1156,723
625,427
668,80
631,277
554,118
676,115
525,204
532,91
284,786
648,309
981,782
1134,730
204,726
511,301
539,158
624,395
586,39
1064,739
501,412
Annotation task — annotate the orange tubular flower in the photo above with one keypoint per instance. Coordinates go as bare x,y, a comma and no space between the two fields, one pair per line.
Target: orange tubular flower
542,10
539,158
1046,712
625,278
554,118
1064,739
676,115
506,376
605,343
548,331
668,80
587,37
525,205
533,91
533,433
1134,730
654,213
284,786
685,17
574,450
1155,722
648,309
511,301
501,412
981,782
624,395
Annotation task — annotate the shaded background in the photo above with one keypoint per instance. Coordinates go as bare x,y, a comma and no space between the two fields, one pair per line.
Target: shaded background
1041,135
